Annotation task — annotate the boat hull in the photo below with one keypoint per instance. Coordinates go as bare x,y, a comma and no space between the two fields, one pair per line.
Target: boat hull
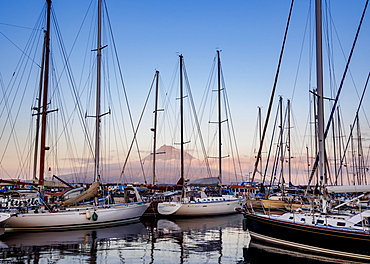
320,240
199,209
76,218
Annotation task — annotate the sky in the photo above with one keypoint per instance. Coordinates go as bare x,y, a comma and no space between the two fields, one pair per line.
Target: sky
149,36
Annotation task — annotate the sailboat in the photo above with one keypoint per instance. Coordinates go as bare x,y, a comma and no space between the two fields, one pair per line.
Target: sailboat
198,203
69,215
342,234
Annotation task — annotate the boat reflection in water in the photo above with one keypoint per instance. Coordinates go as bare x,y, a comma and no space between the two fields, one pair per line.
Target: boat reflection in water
218,239
215,239
70,246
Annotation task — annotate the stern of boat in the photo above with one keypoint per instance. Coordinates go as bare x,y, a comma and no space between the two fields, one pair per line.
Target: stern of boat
168,208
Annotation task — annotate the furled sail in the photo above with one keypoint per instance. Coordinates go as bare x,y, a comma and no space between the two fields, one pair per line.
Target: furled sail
89,193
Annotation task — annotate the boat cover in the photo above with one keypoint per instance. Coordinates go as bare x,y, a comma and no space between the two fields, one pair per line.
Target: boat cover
89,193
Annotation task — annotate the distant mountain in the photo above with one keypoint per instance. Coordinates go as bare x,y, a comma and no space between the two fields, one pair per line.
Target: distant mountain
167,169
166,152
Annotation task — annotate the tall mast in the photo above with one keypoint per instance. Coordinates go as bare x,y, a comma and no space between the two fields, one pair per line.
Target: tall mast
260,136
289,145
320,97
155,125
354,167
281,140
360,156
316,131
182,126
98,91
45,95
219,120
320,103
339,149
38,109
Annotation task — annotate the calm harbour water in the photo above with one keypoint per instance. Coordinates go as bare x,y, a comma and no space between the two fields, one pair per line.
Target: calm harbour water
192,240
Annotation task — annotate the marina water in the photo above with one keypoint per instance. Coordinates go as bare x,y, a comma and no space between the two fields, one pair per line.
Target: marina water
219,239
192,240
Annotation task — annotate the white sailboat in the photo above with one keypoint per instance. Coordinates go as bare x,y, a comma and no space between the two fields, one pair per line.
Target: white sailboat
204,206
66,217
198,203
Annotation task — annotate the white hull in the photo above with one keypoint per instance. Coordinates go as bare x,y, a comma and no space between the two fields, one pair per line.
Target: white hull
200,208
76,218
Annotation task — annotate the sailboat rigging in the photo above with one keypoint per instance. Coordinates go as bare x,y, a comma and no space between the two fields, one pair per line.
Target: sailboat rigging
198,203
323,229
64,216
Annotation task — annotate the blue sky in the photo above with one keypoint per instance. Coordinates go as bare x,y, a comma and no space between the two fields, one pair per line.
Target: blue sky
150,34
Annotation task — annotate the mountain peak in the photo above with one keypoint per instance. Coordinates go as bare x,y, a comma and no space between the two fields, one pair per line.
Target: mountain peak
167,152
